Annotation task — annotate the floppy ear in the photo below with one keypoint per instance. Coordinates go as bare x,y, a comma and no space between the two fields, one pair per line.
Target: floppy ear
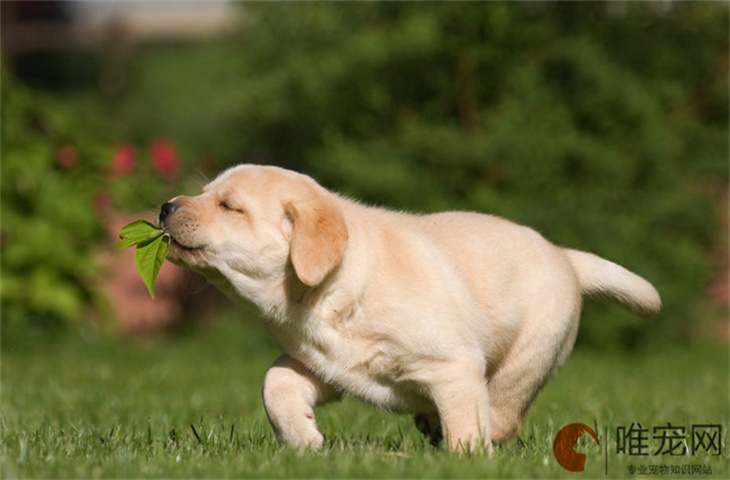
319,238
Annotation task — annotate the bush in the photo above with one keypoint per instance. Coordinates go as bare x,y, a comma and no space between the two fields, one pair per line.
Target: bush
62,177
50,182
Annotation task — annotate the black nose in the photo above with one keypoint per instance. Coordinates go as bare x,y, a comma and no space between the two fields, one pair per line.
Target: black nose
167,210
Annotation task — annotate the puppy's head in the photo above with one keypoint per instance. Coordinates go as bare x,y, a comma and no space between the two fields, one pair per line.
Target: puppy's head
252,224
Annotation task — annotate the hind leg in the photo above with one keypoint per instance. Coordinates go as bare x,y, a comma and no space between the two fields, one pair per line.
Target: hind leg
531,363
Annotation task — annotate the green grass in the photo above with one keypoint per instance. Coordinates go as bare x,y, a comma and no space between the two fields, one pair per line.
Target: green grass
190,406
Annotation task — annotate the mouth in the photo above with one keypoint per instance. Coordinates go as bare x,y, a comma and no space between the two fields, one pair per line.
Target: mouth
183,255
174,243
177,245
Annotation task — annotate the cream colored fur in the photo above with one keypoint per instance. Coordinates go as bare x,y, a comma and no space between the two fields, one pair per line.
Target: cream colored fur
458,318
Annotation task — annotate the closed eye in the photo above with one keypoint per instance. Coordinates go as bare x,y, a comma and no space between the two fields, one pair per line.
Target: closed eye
229,208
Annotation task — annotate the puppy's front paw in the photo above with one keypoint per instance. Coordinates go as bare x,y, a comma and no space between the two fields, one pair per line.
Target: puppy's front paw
301,438
315,441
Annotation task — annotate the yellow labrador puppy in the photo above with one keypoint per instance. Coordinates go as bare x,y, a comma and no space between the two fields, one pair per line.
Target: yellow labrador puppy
458,318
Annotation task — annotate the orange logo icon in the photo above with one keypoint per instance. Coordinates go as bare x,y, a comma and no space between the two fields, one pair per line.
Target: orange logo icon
564,444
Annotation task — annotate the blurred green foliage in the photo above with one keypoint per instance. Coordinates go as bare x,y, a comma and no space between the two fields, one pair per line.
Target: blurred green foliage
49,226
61,179
604,125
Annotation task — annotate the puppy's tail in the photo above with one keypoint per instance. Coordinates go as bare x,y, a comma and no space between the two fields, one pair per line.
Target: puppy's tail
599,276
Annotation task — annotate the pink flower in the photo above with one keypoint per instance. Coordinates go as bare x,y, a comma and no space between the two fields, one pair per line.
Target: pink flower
125,159
164,158
67,156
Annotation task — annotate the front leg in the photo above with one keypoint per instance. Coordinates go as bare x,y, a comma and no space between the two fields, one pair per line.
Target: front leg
462,399
290,394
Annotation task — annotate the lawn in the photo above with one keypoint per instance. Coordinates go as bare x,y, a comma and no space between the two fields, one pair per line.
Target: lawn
189,406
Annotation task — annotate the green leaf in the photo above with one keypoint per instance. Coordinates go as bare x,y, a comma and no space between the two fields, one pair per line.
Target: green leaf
152,244
138,232
149,257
